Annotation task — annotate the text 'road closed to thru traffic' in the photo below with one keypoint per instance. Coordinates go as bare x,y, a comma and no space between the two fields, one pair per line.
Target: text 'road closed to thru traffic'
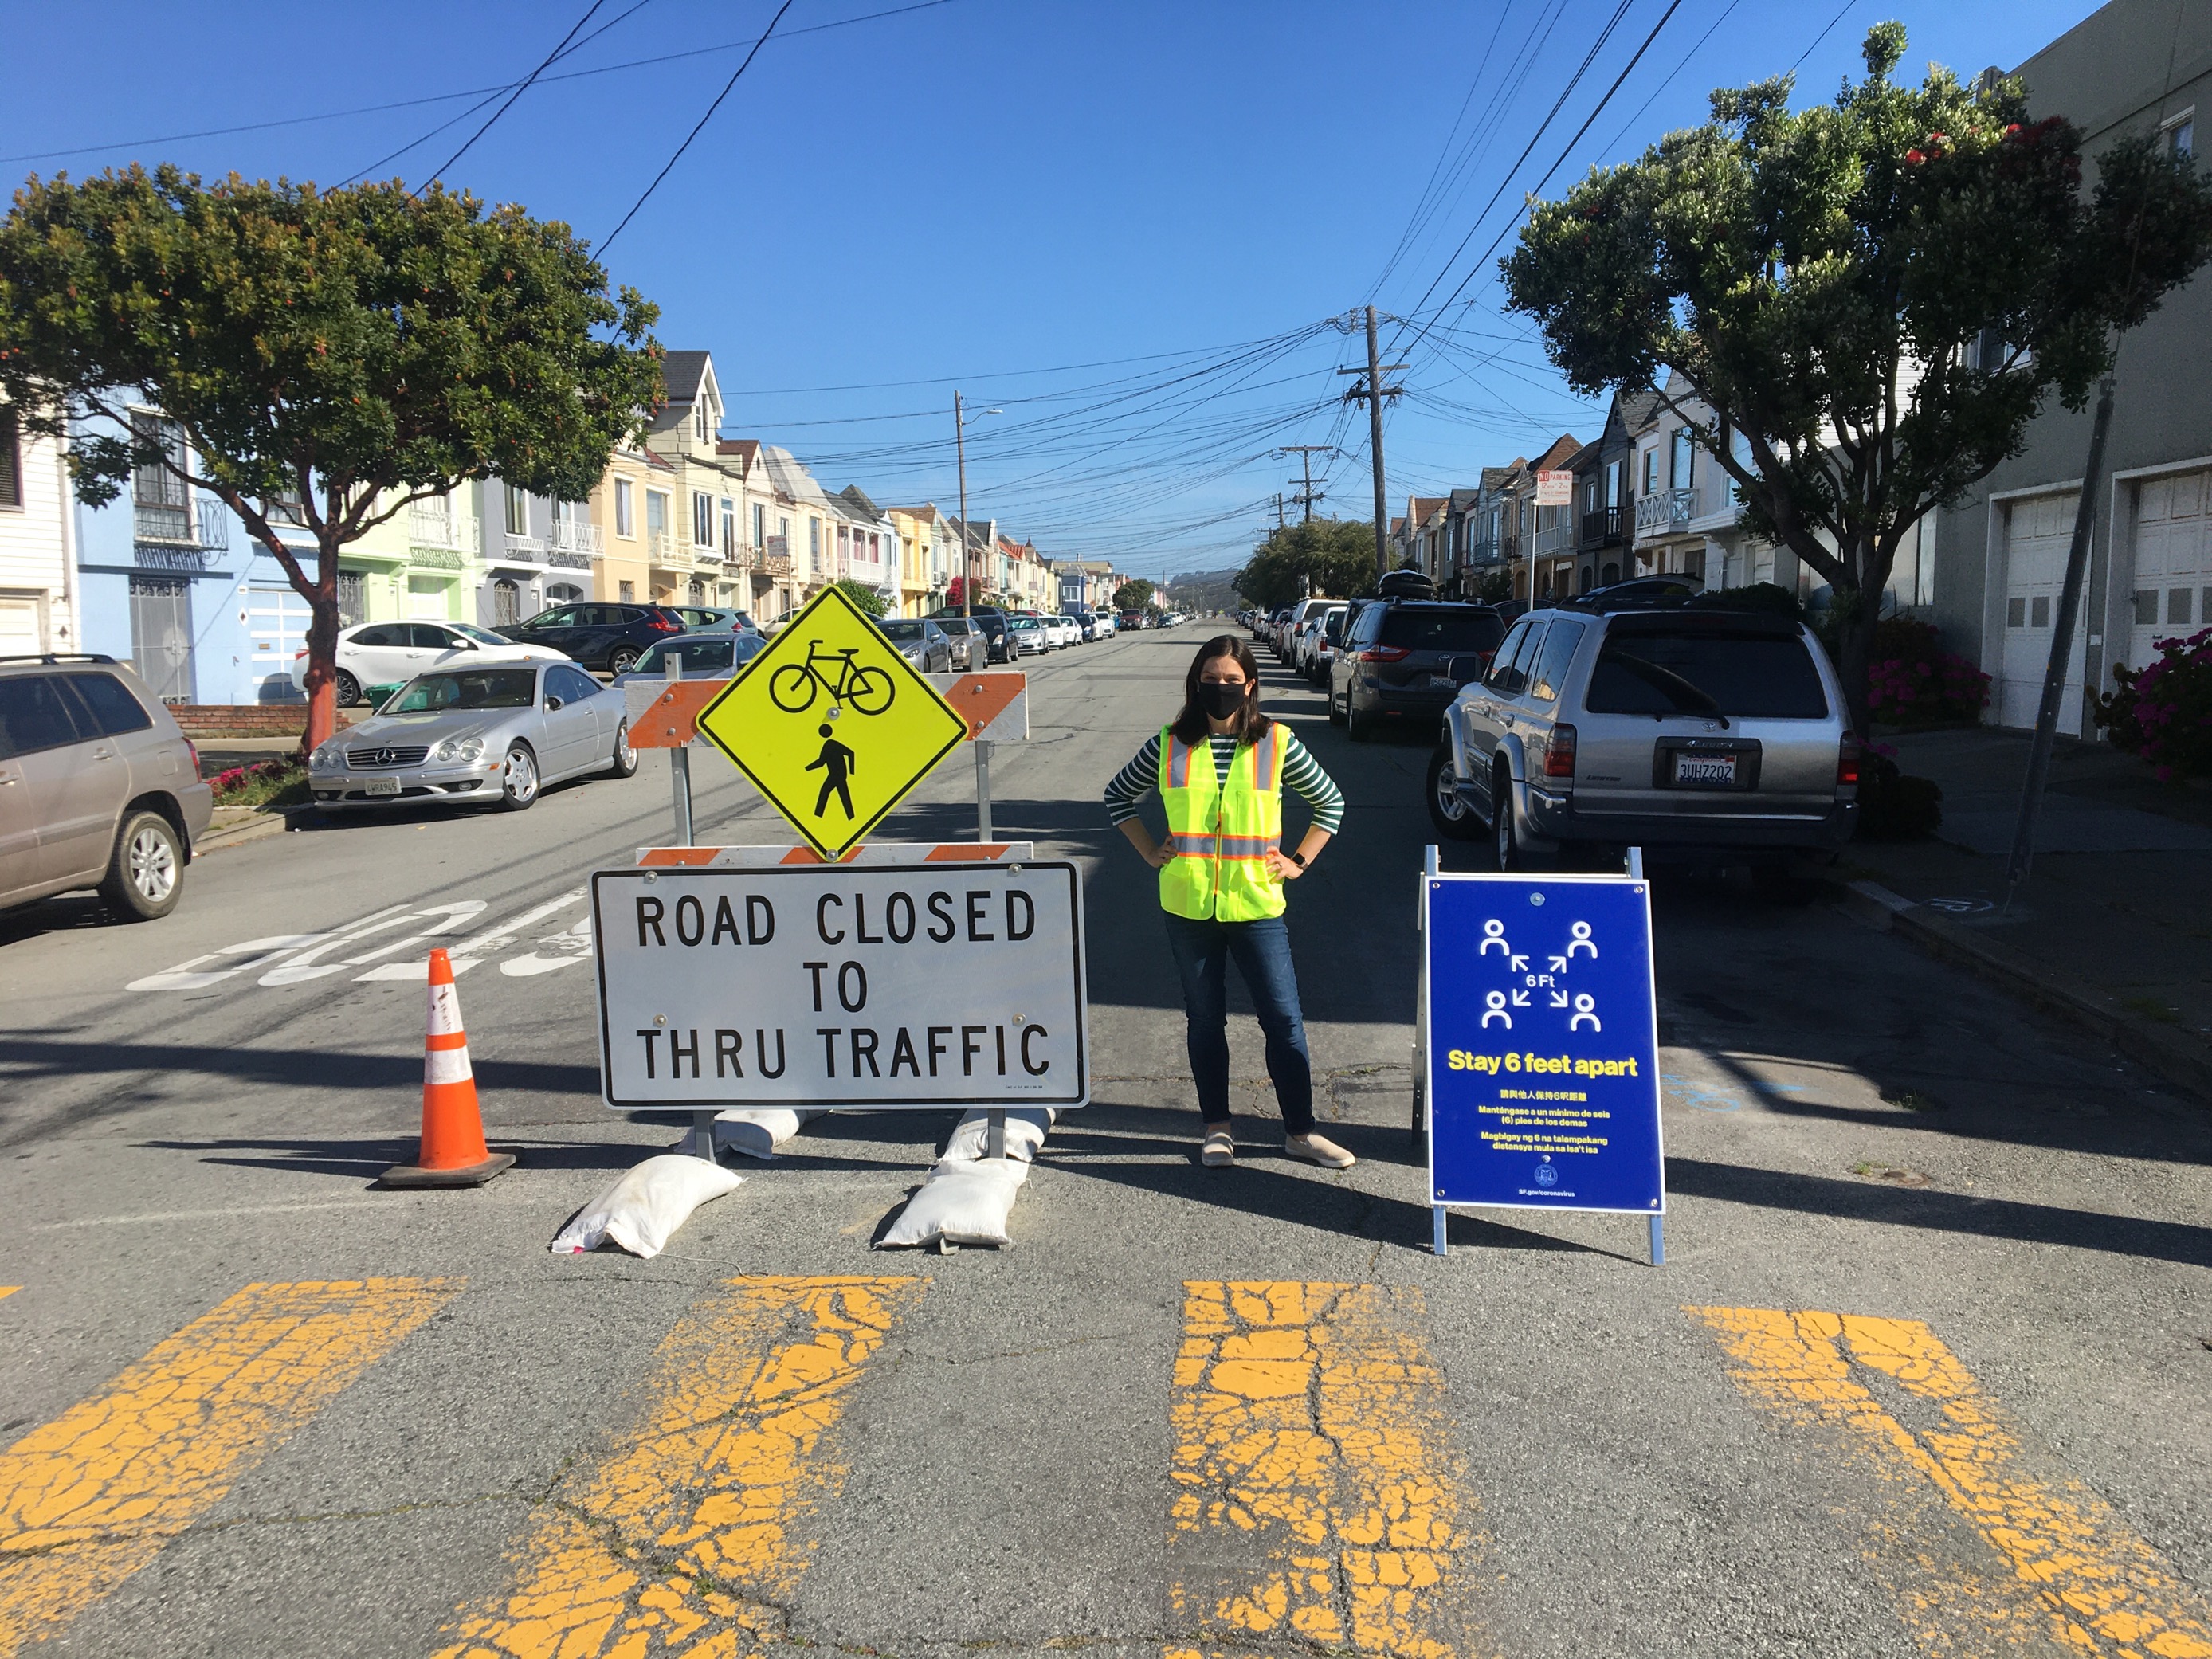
841,986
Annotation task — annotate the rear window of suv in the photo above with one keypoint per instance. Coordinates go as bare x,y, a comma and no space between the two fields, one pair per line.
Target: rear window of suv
1441,631
1685,671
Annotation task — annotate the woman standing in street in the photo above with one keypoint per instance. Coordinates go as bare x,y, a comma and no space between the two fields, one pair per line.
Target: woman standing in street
1220,768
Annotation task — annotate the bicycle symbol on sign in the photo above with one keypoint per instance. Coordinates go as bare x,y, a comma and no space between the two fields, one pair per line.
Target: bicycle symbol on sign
865,690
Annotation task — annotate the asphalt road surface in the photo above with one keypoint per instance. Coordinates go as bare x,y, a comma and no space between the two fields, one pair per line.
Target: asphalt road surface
1926,1372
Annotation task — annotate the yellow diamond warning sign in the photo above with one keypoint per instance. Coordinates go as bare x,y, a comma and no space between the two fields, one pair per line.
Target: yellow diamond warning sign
832,724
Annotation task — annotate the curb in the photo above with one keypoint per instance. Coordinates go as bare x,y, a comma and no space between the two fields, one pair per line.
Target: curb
237,834
2179,1060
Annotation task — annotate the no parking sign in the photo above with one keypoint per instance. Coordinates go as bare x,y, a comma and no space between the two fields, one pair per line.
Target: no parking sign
1543,1044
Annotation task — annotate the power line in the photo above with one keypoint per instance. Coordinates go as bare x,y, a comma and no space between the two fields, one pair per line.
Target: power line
1822,36
696,132
521,87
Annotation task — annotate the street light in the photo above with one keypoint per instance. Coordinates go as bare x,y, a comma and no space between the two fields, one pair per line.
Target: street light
960,448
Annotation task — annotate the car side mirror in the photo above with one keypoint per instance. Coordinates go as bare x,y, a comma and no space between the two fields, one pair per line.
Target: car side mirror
552,702
1465,669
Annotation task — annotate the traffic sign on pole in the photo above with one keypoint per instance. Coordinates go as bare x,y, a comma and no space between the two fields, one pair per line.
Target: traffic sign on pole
906,985
832,724
1541,1069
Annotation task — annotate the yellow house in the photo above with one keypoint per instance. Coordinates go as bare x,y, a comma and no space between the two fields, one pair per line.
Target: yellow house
925,552
636,492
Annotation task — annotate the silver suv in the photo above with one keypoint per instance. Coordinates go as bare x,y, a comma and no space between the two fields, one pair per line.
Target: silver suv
1660,728
97,787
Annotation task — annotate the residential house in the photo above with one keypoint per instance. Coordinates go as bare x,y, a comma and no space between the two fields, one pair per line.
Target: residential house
867,543
2134,67
979,539
700,557
1605,502
1087,582
623,573
1421,532
1548,533
1685,502
38,547
929,557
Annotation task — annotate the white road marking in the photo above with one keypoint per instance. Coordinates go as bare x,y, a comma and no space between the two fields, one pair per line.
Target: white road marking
210,1215
304,967
455,913
257,950
480,945
570,946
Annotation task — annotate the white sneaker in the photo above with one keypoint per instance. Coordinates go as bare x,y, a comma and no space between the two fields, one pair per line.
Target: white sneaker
1218,1150
1314,1149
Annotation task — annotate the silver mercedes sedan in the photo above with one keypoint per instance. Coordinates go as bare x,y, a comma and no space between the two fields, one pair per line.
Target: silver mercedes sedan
496,735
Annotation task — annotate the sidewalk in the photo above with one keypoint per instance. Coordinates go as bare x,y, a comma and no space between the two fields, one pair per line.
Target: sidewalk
2115,921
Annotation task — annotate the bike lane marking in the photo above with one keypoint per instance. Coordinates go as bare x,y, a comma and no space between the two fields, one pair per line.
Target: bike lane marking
1319,1497
683,1538
2079,1571
96,1494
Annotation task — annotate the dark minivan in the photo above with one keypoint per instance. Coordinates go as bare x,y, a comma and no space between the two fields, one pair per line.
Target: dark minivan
1395,661
991,623
608,637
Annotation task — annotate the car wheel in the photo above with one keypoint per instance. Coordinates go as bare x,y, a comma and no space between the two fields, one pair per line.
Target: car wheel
621,659
147,872
1357,727
1335,714
518,781
625,757
348,690
1505,841
1454,818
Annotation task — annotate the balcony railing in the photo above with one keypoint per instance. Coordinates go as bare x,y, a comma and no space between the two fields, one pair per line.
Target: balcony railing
207,530
575,537
1555,539
435,524
525,550
1666,509
660,546
1602,527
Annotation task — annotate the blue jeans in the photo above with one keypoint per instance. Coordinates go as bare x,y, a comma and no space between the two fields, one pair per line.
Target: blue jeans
1262,949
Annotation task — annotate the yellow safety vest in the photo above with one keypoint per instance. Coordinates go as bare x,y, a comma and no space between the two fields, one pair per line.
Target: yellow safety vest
1221,832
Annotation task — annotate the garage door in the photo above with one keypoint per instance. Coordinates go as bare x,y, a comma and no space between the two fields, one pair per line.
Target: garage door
2039,532
19,634
277,624
2173,562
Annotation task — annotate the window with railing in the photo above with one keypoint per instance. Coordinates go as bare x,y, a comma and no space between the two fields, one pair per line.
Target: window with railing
161,505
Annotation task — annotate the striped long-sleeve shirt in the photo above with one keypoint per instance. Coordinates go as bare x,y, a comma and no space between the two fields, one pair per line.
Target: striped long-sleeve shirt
1301,773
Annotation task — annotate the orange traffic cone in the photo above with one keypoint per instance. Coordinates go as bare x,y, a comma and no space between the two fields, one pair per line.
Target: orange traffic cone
453,1153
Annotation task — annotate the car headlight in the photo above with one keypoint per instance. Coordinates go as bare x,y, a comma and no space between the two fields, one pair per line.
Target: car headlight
328,757
459,749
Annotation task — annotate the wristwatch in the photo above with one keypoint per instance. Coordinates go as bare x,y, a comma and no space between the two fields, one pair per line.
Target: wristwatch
1297,859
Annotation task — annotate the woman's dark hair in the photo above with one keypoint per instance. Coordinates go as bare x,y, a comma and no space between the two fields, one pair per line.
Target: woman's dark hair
1190,726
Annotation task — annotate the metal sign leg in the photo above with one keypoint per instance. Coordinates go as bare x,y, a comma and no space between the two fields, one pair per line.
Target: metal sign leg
679,767
995,1133
702,1135
983,790
1441,1217
1658,1241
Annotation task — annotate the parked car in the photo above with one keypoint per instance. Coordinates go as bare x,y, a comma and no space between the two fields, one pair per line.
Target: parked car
1066,629
97,787
701,657
1294,617
1088,624
988,621
1025,637
1663,729
391,652
964,639
1394,664
496,735
1652,590
920,641
1322,643
608,638
715,618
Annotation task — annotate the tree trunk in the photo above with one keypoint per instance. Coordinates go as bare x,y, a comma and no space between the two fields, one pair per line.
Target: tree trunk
322,652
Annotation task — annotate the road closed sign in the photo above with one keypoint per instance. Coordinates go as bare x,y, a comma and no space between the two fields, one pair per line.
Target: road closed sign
842,985
832,724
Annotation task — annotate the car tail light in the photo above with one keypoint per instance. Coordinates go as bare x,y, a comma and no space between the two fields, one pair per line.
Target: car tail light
665,624
1847,764
1385,653
1559,753
192,749
1487,658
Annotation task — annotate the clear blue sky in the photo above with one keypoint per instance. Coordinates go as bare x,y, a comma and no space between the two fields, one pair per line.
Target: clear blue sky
1124,225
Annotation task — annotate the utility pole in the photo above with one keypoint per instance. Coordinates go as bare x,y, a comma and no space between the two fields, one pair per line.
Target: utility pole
1371,391
1307,495
967,558
1279,524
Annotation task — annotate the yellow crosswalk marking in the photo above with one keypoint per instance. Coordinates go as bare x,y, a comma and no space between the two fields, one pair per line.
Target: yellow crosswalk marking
95,1494
681,1541
1318,1496
2104,1590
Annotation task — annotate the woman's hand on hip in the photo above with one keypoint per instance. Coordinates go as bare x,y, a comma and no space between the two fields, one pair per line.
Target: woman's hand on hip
1280,866
1158,857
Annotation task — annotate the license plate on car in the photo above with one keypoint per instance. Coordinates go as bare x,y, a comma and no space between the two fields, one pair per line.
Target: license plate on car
379,785
1705,771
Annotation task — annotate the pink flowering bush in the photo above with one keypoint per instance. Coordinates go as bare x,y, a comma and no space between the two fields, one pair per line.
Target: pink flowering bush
1912,681
271,782
2163,711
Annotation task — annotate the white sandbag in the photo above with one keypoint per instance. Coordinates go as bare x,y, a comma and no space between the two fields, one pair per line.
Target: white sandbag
964,1202
755,1134
1025,1129
649,1202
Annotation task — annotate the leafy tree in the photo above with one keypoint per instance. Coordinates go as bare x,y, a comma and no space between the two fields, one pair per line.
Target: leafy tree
868,599
1834,283
1135,594
1493,587
1335,556
331,357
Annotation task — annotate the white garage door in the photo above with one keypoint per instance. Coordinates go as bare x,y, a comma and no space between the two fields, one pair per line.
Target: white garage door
20,635
277,624
2173,562
2039,532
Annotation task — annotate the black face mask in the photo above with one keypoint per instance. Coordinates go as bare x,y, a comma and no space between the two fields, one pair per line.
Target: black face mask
1219,700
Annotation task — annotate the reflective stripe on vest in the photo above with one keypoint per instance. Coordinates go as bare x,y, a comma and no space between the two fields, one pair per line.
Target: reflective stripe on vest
1221,830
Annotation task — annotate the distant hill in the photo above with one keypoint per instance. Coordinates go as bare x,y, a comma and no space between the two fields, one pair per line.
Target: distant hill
1205,590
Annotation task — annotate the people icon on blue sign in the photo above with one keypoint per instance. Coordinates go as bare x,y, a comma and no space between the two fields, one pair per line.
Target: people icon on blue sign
1581,940
1493,933
1496,1001
1585,1009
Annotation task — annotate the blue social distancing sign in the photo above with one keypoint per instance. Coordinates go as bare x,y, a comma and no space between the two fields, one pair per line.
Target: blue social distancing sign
1543,1043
